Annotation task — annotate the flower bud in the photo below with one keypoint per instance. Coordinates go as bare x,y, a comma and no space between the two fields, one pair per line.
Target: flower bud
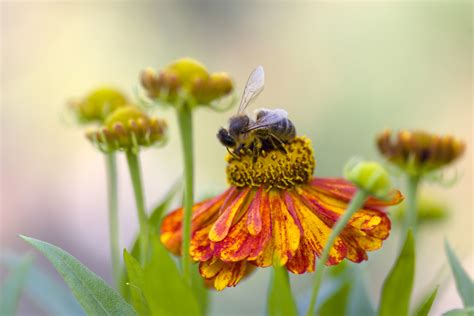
128,128
96,106
188,78
419,152
369,176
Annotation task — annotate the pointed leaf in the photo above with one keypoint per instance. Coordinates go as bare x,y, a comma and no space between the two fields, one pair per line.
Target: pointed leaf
464,283
163,287
280,299
425,308
336,304
154,221
135,275
94,295
397,288
199,289
11,290
44,291
460,312
359,299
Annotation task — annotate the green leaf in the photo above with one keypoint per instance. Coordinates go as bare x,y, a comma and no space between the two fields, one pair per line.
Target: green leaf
163,287
43,290
94,295
397,288
425,308
280,299
359,299
336,304
199,289
460,312
464,283
154,221
135,275
11,291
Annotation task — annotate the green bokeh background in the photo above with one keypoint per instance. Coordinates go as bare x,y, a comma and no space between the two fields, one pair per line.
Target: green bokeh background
343,70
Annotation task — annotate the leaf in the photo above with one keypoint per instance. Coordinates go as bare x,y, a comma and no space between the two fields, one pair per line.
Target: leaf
359,299
280,299
460,312
94,295
464,283
154,221
45,291
163,287
135,275
398,285
11,291
199,289
336,304
425,308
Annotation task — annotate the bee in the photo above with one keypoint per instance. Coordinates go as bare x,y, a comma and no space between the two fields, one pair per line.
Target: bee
270,130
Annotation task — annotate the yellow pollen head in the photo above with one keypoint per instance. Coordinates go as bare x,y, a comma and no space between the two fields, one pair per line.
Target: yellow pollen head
273,169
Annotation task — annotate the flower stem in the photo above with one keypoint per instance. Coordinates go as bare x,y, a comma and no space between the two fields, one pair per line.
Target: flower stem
411,209
111,169
134,167
186,126
355,204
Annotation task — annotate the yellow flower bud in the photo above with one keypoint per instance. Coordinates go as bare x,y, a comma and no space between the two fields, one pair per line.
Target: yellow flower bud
128,128
186,78
369,176
98,104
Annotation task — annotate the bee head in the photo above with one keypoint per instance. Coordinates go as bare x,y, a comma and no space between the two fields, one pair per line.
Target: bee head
237,124
224,137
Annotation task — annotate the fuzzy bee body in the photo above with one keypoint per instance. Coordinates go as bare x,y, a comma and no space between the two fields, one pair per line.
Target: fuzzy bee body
269,131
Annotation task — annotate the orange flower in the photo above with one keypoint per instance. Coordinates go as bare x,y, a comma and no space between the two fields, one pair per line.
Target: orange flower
275,212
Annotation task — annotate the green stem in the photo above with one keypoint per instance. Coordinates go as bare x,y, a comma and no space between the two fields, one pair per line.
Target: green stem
356,203
186,126
411,206
111,168
134,167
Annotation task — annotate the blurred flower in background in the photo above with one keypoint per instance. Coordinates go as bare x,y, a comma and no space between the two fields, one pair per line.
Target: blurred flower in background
344,71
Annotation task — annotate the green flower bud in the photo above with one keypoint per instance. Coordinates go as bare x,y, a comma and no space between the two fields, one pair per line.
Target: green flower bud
186,78
418,152
369,176
98,104
128,128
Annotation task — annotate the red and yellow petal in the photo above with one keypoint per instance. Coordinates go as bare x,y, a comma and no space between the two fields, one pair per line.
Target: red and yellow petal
344,190
222,273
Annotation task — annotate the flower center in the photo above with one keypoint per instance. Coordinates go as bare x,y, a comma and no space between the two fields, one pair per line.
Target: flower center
273,168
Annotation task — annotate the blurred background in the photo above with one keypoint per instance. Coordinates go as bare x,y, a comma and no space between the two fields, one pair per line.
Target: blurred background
344,71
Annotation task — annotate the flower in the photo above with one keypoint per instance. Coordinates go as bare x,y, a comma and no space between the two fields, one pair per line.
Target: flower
276,213
98,104
188,77
419,152
127,128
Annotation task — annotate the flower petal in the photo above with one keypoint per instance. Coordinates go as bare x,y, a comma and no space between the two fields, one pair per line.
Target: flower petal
286,233
316,232
230,274
344,190
239,243
254,218
221,227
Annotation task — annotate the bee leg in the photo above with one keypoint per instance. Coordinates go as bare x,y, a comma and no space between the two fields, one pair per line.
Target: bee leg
256,150
278,143
232,154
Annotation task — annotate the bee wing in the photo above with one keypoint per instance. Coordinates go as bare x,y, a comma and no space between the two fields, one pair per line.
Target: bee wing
271,117
253,87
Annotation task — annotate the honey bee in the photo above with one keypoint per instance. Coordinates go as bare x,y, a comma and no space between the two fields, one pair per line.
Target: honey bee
270,130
